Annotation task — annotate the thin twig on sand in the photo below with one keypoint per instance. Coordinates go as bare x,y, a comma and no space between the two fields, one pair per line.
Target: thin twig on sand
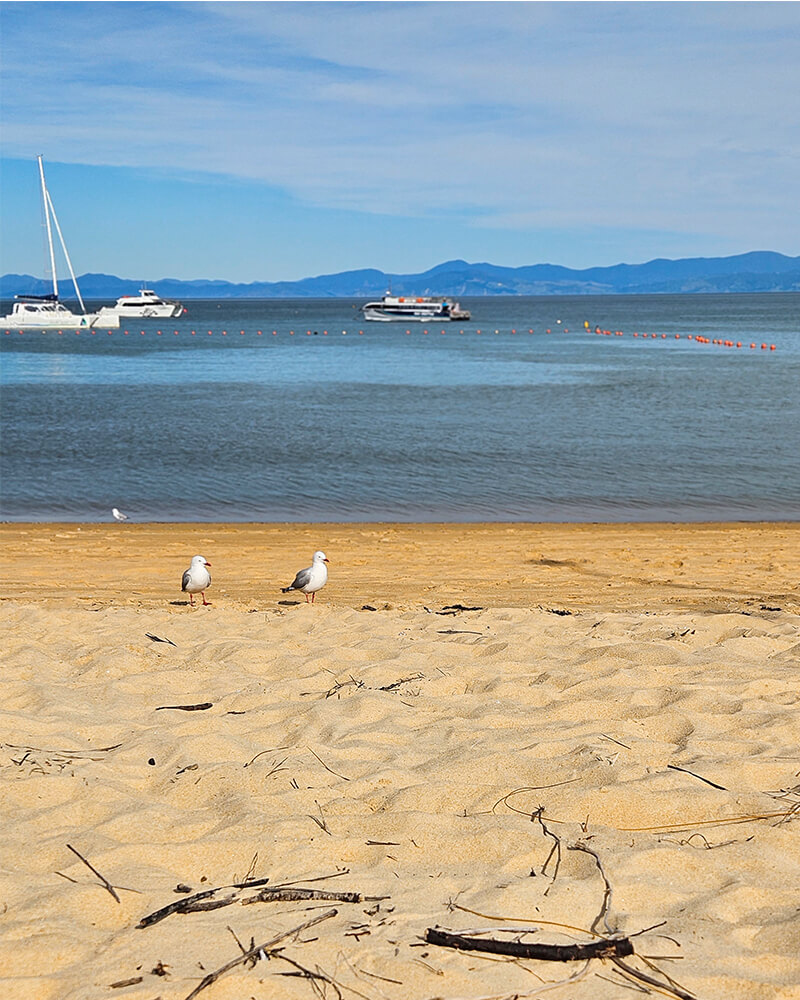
261,950
102,878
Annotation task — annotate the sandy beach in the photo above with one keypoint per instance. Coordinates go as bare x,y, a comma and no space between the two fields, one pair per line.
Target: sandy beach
551,733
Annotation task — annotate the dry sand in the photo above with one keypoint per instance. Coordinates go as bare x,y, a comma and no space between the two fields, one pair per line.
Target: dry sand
637,682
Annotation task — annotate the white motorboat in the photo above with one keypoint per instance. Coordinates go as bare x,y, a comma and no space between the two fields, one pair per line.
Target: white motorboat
147,304
45,312
414,309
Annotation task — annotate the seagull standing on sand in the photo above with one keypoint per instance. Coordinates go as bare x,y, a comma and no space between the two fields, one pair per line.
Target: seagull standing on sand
196,579
310,580
118,515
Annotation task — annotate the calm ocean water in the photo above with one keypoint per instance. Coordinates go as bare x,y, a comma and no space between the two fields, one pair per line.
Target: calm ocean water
330,424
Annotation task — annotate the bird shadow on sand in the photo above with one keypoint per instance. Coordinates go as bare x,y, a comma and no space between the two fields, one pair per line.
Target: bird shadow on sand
186,604
291,604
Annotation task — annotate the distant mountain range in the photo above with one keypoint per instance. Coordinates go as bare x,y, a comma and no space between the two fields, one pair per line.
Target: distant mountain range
759,271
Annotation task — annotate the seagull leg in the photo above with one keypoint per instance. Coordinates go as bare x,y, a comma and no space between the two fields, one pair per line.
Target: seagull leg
191,601
205,602
313,596
306,598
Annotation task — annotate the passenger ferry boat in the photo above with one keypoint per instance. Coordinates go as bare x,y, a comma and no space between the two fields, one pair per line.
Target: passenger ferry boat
146,305
414,309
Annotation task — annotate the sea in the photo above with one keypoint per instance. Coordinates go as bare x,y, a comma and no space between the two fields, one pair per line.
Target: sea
299,410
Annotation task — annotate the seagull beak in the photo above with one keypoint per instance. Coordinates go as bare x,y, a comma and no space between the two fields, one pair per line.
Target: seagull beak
208,564
326,560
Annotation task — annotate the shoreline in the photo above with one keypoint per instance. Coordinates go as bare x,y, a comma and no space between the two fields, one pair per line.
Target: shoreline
611,566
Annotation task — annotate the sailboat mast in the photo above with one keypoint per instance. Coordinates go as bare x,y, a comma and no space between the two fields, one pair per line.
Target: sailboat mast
66,252
45,201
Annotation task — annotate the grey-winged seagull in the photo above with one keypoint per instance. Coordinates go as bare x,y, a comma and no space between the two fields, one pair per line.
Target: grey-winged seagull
313,578
196,579
118,515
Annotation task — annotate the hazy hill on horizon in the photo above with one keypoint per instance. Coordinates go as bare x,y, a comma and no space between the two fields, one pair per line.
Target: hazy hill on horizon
756,271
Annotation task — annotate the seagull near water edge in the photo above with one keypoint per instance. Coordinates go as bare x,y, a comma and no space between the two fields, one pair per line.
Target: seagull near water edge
196,579
313,578
118,515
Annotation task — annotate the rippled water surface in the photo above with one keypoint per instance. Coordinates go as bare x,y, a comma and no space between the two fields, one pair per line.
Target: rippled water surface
299,410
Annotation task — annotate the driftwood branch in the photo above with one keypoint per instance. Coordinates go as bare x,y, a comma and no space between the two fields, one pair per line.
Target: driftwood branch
604,948
285,895
189,903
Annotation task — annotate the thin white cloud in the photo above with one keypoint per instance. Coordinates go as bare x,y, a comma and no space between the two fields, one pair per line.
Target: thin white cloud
657,116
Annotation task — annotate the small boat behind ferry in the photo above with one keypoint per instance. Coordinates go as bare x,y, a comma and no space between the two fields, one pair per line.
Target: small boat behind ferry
414,309
146,305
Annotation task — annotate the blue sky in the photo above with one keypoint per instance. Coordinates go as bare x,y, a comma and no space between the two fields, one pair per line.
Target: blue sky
272,141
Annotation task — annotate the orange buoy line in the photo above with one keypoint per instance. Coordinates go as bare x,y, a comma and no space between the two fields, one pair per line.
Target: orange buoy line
695,338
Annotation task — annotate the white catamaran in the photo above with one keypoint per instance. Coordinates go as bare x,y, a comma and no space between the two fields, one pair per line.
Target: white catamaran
45,312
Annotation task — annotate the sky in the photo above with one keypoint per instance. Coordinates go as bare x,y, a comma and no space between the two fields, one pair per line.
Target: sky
275,141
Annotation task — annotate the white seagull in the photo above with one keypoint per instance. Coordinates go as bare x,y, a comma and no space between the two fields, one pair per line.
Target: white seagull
310,580
118,515
196,579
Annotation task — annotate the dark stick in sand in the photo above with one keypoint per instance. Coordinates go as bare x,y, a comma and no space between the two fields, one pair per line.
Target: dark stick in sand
187,708
674,767
91,867
188,902
604,948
